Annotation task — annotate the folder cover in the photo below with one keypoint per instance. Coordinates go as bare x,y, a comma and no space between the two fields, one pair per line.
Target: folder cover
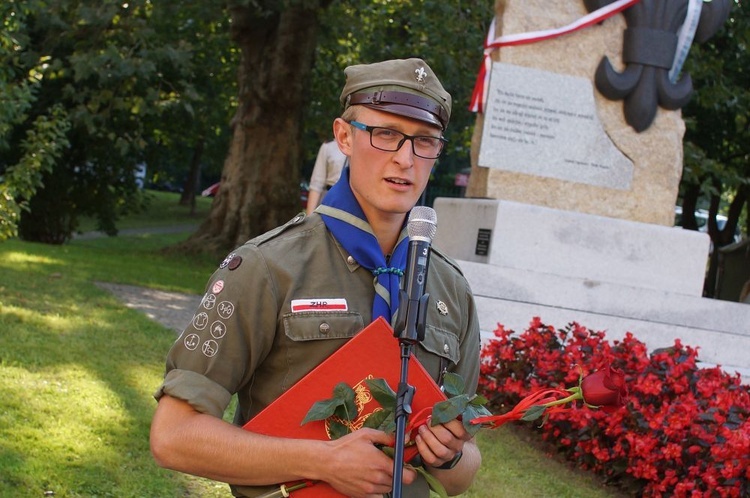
373,353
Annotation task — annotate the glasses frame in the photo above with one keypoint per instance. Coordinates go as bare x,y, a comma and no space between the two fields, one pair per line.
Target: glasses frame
370,129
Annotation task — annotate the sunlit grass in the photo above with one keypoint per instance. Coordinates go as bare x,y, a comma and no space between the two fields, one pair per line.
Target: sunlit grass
14,259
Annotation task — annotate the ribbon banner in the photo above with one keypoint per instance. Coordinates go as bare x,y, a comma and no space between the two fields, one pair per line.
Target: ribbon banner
685,37
479,95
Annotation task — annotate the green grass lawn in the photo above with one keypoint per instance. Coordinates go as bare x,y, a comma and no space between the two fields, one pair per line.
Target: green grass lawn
79,369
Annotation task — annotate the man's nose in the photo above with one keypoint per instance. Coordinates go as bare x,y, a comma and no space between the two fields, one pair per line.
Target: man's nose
405,154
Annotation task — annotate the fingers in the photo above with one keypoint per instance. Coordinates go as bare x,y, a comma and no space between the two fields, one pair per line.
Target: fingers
441,443
374,436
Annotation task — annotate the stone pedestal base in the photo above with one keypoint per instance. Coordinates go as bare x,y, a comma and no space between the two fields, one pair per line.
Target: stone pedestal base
605,274
594,248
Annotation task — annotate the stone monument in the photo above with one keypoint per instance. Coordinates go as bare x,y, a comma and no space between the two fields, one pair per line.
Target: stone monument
566,66
569,211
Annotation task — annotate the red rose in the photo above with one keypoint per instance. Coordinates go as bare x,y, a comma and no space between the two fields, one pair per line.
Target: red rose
605,389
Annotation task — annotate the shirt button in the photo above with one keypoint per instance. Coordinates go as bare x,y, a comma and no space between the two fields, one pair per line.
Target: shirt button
446,349
350,260
324,328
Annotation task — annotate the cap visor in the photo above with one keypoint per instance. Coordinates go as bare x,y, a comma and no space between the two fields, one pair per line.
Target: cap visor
409,112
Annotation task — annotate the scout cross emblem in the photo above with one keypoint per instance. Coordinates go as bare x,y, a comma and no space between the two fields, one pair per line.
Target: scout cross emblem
421,74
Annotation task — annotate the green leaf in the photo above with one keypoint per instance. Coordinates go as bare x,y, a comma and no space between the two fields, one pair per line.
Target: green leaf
533,413
389,424
478,400
337,429
321,410
341,404
347,410
450,409
377,419
382,392
473,411
435,485
453,384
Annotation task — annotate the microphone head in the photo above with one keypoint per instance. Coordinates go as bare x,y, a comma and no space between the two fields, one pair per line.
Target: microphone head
422,224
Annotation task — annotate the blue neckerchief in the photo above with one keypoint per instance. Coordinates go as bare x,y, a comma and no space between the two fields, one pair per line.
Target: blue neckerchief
343,216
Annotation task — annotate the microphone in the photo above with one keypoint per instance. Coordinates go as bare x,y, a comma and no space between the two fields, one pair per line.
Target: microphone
412,309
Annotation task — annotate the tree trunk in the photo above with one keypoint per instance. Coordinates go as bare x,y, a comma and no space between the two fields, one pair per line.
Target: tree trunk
260,180
721,238
689,205
192,183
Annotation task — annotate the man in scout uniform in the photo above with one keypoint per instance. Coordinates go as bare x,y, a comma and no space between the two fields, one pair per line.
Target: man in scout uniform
283,302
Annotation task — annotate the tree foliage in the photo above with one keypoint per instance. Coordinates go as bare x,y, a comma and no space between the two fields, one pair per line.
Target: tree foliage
716,172
717,140
44,137
116,70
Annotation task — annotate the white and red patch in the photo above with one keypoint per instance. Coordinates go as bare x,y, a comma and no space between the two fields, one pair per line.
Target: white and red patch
322,304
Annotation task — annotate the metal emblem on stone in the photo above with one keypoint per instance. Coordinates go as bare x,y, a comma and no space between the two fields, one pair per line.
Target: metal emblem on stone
649,46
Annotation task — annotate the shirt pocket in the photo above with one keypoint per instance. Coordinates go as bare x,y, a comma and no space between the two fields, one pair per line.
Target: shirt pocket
317,326
439,350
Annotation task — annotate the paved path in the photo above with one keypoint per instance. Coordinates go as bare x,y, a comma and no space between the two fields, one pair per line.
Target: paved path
172,309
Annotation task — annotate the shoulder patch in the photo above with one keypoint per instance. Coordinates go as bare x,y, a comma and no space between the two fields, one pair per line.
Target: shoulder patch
297,220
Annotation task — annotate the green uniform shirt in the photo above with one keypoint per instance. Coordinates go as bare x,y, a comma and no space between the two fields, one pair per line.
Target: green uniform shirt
244,337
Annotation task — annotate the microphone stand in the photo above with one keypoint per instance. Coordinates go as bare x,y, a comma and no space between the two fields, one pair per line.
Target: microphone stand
410,320
409,325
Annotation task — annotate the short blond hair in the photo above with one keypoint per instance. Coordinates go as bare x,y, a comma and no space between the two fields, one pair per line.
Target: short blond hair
351,113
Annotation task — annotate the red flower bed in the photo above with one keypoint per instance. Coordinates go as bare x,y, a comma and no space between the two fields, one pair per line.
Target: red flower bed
685,431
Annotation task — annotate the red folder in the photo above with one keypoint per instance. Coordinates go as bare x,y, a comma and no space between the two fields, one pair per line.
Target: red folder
372,353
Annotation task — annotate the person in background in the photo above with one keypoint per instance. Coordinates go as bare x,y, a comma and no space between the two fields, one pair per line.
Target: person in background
258,329
326,172
745,293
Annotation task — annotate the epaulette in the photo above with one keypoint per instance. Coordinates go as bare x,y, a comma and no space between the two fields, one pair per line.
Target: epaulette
297,220
447,259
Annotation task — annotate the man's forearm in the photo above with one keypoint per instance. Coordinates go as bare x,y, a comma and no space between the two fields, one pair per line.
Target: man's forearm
185,440
459,478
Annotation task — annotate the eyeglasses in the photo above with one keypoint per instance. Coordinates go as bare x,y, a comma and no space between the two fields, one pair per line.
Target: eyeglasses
389,140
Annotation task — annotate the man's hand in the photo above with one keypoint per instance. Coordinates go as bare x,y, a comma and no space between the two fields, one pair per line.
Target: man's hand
358,468
441,443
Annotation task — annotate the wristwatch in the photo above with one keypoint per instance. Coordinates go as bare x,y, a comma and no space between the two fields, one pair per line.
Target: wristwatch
451,463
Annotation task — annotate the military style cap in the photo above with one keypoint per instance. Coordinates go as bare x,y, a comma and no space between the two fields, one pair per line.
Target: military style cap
407,87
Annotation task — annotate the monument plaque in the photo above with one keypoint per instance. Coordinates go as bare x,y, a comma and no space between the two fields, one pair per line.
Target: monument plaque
545,124
484,236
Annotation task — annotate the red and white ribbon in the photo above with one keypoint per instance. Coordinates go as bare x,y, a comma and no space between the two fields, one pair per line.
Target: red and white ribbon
479,95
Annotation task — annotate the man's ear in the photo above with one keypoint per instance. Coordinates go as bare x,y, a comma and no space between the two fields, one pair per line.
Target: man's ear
342,131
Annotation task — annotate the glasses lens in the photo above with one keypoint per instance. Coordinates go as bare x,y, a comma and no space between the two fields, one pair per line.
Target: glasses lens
428,147
386,139
391,140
